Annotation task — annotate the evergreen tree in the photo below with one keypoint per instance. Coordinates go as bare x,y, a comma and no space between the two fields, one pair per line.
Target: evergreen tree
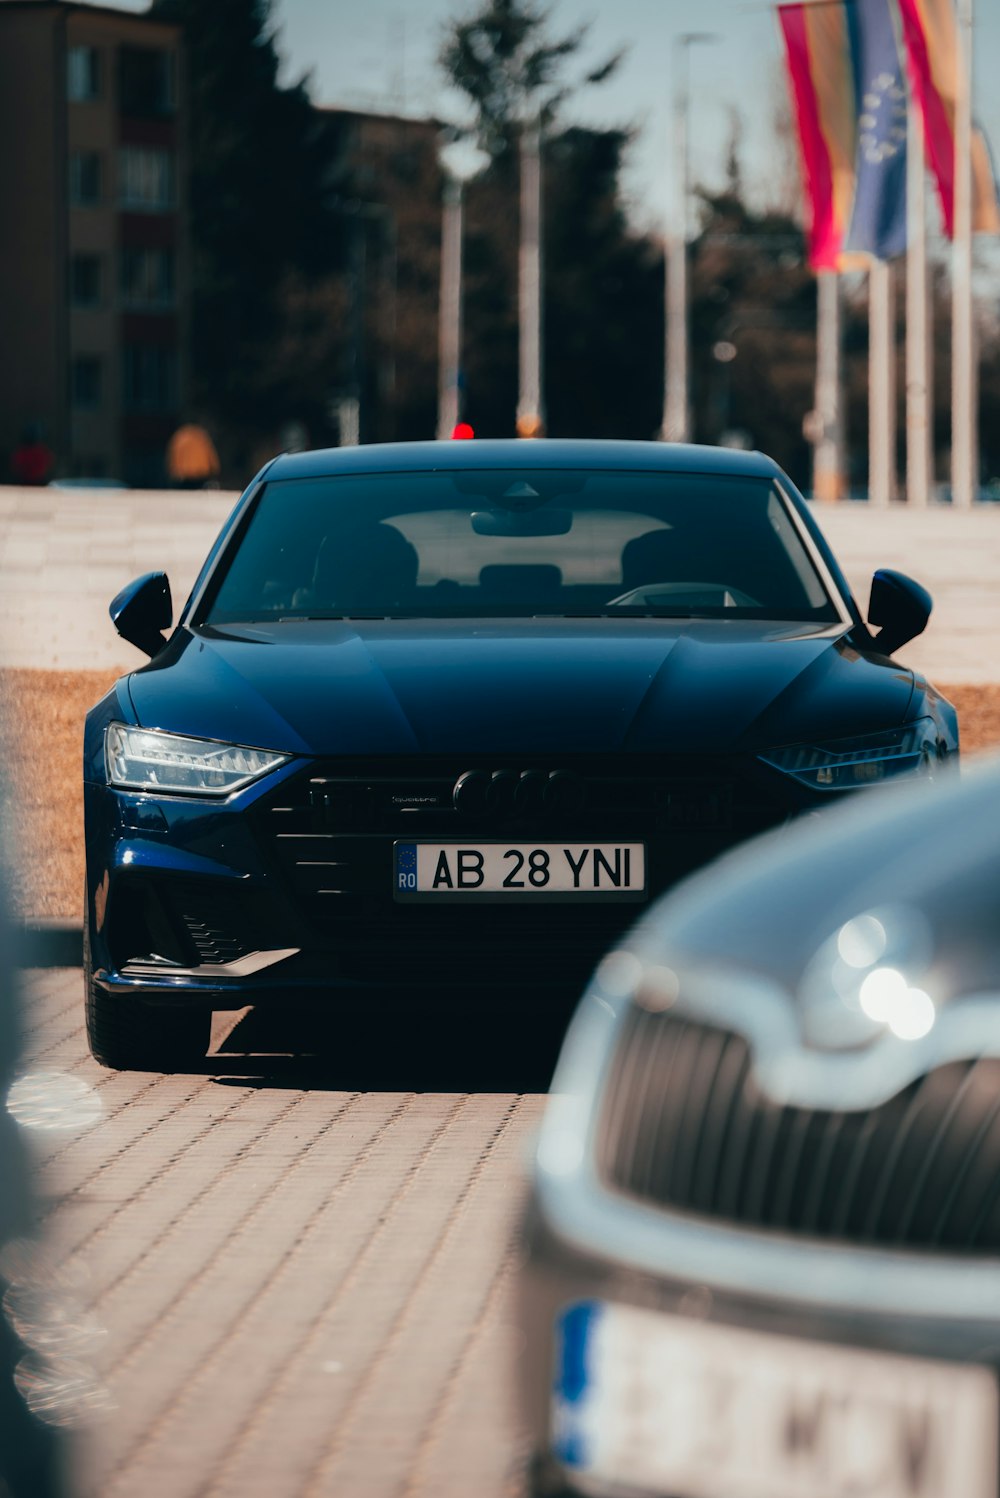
506,65
264,224
603,300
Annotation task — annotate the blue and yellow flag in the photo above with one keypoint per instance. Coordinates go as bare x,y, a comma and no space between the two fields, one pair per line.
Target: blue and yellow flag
878,216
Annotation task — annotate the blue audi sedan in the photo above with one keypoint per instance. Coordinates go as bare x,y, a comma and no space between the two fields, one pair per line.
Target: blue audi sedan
438,717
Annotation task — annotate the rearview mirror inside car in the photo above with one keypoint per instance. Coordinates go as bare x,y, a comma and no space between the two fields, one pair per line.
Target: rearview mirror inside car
899,606
142,610
522,522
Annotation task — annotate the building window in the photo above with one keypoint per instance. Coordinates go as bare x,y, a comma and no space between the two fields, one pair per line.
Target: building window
147,277
150,382
85,178
86,376
147,178
146,81
83,74
85,280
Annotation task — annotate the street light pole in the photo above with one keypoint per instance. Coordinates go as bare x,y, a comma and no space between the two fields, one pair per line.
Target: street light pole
450,321
460,161
676,425
530,400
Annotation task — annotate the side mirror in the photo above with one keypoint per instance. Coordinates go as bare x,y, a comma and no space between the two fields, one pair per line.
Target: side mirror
142,610
900,607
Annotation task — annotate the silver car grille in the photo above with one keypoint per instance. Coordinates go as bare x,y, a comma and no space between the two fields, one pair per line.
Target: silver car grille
684,1125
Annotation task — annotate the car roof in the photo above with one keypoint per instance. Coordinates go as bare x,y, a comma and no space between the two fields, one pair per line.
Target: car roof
425,457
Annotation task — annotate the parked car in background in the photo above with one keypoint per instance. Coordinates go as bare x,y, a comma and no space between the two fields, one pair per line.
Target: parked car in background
87,483
437,717
762,1252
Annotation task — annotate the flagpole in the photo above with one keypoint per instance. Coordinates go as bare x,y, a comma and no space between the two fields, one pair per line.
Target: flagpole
964,456
881,384
676,424
677,381
828,457
919,443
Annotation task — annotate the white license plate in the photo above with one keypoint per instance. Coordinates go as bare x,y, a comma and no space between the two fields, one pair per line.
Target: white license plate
673,1405
527,871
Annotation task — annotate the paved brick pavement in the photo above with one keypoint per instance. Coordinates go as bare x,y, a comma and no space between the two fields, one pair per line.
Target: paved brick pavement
64,555
303,1283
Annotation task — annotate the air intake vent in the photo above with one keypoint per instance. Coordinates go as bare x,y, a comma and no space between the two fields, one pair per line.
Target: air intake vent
214,919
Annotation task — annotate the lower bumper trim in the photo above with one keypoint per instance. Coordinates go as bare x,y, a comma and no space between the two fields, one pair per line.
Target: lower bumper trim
241,967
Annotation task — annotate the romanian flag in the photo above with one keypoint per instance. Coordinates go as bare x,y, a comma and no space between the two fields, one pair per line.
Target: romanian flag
820,68
933,54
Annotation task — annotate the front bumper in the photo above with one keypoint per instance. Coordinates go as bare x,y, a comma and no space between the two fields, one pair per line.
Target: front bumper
287,886
581,1244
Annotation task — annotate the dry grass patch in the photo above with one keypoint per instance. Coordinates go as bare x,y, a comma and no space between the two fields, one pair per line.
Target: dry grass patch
41,733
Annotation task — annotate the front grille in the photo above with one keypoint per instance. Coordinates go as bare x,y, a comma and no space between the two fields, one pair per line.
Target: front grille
330,830
683,1125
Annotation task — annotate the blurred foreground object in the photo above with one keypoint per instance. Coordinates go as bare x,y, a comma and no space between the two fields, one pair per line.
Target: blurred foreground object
192,461
31,1458
761,1247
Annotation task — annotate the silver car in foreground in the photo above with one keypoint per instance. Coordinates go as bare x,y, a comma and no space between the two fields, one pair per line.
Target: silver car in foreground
762,1246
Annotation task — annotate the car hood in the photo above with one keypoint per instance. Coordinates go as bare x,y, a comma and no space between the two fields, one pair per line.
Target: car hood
554,686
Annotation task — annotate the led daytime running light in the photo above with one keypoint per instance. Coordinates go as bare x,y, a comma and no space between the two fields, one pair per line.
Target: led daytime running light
844,764
148,760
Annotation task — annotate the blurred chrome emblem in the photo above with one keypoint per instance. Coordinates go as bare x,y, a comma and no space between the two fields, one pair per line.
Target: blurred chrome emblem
867,1019
512,793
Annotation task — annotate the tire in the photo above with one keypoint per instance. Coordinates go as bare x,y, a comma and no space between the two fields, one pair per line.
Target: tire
130,1034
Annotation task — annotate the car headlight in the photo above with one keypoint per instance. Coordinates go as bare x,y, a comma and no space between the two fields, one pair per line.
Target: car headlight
844,764
147,760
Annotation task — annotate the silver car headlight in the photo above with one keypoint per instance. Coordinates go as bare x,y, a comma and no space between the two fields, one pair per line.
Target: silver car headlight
145,759
845,764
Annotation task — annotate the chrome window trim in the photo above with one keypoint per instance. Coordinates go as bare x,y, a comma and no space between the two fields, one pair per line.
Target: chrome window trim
815,556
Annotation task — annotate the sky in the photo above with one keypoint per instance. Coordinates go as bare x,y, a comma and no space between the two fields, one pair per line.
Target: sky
381,55
385,57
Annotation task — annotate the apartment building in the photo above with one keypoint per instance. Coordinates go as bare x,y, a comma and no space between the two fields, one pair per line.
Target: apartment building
93,236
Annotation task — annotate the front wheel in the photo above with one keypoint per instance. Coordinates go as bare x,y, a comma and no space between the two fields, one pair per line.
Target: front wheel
131,1034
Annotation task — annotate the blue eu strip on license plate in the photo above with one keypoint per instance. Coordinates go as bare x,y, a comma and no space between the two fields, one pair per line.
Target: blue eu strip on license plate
406,867
574,1335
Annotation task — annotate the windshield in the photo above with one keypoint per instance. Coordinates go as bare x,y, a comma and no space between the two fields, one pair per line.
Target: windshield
524,543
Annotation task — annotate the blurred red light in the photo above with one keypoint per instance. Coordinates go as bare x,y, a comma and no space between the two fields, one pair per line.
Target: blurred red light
462,432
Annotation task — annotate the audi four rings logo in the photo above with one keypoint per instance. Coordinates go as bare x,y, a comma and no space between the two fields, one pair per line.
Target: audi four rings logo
500,793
